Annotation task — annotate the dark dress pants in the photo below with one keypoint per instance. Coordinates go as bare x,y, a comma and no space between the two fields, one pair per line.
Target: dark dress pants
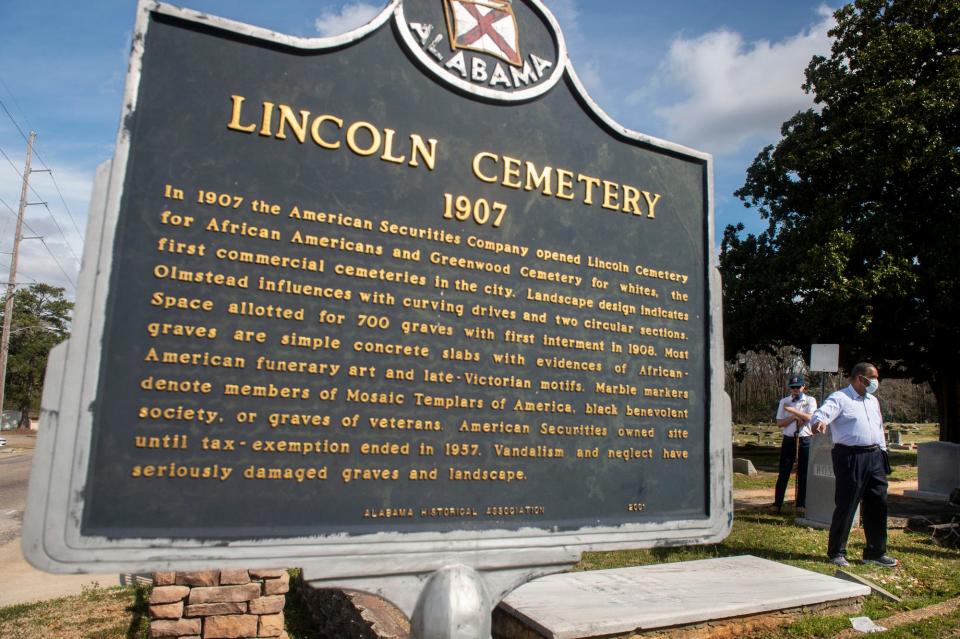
860,478
788,449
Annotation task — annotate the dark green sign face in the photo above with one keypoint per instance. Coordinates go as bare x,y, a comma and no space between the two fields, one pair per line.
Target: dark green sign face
409,282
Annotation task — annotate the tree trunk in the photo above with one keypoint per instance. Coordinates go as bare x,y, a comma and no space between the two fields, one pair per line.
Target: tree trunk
946,388
24,417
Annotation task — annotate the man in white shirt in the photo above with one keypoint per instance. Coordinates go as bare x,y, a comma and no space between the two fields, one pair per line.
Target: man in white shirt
860,465
793,416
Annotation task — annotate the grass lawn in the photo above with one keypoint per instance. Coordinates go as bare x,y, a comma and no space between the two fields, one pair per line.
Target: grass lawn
97,613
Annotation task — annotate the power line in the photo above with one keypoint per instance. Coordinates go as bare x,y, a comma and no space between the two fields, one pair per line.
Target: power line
53,178
14,213
20,271
62,234
12,119
44,164
15,103
7,157
42,201
42,241
73,221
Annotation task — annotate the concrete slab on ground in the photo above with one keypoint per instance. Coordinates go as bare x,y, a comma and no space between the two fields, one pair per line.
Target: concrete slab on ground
613,602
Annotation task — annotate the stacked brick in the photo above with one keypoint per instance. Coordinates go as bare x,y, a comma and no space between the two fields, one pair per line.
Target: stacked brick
218,604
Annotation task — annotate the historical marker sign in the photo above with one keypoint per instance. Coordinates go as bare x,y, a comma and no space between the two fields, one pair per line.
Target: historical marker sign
404,289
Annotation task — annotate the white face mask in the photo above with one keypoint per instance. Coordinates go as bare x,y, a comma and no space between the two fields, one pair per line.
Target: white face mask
873,386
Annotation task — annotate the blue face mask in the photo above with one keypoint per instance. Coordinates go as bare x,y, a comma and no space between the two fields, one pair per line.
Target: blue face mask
873,385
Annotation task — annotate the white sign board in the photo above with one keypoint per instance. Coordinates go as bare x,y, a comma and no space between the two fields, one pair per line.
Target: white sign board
825,358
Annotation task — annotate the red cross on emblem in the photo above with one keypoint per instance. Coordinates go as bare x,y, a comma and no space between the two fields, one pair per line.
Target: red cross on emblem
488,26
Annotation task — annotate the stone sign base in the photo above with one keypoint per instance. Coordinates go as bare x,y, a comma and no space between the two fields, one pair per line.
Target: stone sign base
218,604
697,599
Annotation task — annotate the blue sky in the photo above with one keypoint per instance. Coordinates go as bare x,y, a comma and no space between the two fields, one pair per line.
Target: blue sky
717,77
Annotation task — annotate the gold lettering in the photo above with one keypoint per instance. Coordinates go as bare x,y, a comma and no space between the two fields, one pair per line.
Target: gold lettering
375,138
266,120
388,148
315,131
542,181
564,184
418,148
611,195
631,200
483,155
511,172
590,183
288,119
652,203
235,116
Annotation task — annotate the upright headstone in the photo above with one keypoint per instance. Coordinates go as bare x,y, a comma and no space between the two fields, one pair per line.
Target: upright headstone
938,470
392,304
744,466
821,483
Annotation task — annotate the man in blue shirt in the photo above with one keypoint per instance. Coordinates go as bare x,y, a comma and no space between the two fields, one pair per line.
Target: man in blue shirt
859,465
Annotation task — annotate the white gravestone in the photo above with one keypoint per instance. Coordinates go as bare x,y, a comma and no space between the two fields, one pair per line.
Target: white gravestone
821,483
938,466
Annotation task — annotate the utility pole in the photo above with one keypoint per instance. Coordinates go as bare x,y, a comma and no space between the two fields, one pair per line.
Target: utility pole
12,283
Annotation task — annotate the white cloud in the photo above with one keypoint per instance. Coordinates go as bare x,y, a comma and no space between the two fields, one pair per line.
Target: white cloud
737,91
348,17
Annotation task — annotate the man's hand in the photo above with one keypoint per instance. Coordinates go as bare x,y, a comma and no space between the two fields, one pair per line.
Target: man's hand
819,427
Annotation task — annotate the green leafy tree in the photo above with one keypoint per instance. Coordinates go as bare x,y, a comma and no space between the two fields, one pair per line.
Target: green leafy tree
862,196
40,321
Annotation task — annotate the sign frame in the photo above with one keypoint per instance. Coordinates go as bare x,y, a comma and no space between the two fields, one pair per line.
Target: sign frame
52,538
825,358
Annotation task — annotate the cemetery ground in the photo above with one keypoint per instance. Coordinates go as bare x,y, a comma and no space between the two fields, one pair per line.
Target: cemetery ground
928,582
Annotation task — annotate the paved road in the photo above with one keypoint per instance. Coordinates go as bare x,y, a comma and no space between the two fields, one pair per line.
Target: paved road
19,581
14,473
